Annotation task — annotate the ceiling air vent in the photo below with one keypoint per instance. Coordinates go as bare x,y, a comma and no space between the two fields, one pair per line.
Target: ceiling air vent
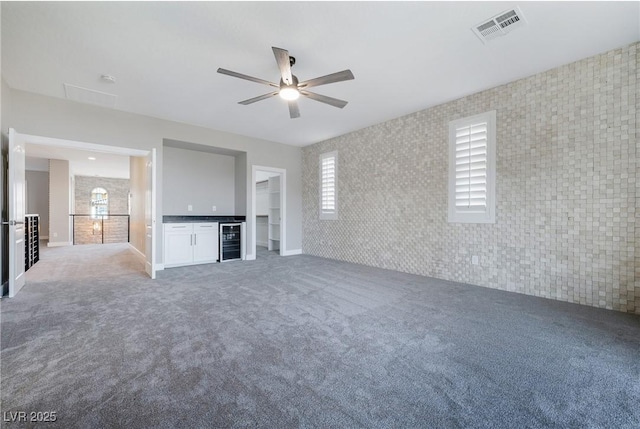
90,96
499,25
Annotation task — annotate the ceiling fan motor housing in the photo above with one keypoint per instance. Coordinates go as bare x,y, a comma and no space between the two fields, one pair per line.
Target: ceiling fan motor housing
294,83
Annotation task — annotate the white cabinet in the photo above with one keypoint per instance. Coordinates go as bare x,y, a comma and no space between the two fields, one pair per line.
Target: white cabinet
190,243
178,240
205,242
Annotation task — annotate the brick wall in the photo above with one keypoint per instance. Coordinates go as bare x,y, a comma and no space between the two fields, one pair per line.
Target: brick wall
115,227
567,225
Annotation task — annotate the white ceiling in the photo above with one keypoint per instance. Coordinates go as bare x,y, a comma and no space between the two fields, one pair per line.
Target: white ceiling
104,165
406,56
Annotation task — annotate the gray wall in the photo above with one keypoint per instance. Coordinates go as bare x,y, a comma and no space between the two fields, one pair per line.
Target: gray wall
52,117
199,179
567,189
241,182
38,198
59,202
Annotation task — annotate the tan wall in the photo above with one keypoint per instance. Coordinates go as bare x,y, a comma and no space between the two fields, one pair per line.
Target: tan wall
59,202
137,178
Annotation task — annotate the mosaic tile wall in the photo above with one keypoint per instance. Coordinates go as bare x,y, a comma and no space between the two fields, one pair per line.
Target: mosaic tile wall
567,217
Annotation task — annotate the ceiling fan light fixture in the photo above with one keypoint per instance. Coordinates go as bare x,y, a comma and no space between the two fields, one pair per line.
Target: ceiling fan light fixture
290,89
289,93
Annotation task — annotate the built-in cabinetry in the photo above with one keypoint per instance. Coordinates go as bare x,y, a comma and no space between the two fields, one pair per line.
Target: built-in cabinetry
31,240
190,243
274,213
262,213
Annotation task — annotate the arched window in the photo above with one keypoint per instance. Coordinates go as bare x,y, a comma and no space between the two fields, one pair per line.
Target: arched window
99,203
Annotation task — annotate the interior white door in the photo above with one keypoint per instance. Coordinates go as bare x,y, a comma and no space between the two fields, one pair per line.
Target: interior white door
150,216
17,209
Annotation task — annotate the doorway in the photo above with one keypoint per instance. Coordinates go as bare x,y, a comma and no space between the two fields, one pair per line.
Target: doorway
146,215
267,219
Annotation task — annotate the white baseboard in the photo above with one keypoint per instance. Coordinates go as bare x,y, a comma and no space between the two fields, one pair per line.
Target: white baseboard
291,252
139,254
143,257
262,243
250,257
59,244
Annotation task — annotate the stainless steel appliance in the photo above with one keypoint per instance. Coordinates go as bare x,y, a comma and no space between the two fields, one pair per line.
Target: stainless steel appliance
232,241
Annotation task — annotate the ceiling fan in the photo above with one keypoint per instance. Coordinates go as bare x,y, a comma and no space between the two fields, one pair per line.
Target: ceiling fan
290,88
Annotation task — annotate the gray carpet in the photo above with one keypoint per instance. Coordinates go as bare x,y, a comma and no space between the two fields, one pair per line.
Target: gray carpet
304,342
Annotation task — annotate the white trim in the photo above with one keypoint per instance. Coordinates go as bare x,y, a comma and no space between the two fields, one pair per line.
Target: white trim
250,257
488,215
292,252
159,266
322,214
262,243
44,237
283,207
59,244
141,256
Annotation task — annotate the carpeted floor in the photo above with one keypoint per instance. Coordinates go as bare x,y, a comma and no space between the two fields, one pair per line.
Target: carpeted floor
304,342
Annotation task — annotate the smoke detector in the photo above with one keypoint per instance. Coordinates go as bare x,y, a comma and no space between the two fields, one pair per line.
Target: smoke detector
500,25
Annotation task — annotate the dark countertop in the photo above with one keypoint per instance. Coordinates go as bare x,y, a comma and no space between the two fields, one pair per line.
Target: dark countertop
186,218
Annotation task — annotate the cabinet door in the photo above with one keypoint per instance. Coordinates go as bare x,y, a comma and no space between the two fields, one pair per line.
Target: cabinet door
206,242
178,248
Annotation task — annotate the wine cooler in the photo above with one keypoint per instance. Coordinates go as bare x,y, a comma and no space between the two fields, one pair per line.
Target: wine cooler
232,238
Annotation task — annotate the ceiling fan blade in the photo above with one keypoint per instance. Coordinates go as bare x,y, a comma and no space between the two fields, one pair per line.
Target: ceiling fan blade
330,78
244,76
284,63
294,111
259,98
324,99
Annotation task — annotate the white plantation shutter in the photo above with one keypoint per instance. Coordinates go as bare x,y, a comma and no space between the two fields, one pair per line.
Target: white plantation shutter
328,185
471,169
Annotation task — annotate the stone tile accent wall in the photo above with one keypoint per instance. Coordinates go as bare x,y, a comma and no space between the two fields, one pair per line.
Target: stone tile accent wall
115,228
567,213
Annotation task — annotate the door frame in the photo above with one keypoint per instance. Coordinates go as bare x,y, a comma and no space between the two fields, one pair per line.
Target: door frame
283,208
93,147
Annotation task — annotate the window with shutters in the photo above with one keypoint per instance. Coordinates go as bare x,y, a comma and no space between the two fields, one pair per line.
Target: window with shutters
472,143
329,186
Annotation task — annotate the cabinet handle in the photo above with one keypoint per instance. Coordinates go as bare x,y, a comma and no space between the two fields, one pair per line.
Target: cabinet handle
190,239
195,239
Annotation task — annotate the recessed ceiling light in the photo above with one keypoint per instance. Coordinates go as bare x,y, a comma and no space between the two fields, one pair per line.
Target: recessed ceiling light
92,158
